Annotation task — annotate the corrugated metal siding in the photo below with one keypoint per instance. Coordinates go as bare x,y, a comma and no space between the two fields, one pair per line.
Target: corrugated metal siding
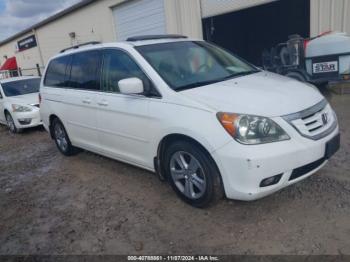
184,17
142,17
330,15
218,7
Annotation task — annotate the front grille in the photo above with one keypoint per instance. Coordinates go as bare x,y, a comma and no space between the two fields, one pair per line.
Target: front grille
303,170
315,122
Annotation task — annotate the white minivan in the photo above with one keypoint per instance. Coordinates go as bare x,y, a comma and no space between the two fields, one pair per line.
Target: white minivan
206,121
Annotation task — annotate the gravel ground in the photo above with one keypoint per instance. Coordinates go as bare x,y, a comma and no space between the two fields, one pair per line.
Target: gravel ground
87,204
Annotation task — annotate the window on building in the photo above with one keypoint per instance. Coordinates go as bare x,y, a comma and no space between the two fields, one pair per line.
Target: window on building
118,65
56,72
85,70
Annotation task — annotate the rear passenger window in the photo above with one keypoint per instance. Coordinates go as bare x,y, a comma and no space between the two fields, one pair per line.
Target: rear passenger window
56,72
85,70
117,65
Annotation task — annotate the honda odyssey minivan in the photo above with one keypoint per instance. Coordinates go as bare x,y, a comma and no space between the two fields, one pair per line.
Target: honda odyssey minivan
204,120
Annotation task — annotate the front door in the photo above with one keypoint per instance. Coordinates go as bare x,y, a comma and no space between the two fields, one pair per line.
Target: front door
123,120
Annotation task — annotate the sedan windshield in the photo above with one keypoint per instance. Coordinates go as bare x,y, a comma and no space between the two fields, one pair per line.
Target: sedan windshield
21,87
188,64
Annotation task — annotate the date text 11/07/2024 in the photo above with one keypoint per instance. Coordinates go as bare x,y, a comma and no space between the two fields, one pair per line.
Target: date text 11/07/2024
173,258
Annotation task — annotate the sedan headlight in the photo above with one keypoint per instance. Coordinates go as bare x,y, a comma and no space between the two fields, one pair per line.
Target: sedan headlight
252,130
19,108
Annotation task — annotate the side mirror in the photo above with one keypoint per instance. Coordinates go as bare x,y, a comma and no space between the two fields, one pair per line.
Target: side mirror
131,86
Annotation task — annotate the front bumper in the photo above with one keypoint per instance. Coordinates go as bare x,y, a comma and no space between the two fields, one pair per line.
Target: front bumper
27,119
243,167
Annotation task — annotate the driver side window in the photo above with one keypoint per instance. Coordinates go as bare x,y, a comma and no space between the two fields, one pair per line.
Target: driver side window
118,65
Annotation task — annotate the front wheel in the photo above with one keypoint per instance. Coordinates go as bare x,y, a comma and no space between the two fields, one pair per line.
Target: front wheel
11,124
192,174
61,139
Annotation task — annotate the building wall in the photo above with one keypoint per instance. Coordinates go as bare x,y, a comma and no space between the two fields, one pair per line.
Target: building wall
329,15
25,59
91,23
184,17
95,22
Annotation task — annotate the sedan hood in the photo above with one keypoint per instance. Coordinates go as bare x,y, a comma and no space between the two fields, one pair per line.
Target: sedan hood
263,93
29,99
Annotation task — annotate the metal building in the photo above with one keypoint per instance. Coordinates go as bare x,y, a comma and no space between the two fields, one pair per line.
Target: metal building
243,26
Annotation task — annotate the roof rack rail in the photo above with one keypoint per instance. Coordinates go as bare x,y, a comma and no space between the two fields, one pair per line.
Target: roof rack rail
152,37
77,46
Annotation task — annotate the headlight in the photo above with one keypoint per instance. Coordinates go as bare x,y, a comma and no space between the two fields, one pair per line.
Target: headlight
19,108
251,130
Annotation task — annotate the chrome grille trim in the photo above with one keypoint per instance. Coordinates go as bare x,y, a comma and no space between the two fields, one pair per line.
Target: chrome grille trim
310,119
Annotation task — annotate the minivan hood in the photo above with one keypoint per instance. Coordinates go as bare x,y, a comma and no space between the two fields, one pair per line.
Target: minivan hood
263,93
28,99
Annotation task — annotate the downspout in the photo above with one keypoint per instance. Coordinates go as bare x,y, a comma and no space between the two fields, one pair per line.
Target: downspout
38,46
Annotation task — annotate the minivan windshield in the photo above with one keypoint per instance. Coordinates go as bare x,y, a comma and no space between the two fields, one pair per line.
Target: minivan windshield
189,64
21,87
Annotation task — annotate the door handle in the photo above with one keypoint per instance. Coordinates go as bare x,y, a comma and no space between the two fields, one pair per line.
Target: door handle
103,103
86,101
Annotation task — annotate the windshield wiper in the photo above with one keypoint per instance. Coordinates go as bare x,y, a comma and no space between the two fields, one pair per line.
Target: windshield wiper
204,83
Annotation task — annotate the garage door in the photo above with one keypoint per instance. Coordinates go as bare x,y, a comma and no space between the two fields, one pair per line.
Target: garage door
212,8
139,17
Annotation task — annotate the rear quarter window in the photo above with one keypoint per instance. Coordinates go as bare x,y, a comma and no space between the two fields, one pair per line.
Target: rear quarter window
56,72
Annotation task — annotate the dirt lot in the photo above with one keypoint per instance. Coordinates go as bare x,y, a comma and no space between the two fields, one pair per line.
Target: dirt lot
87,204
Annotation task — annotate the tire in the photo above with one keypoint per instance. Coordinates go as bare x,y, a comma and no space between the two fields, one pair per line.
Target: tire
192,174
11,124
61,139
296,76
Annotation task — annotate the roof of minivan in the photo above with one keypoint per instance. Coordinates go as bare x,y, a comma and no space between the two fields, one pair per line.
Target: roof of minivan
18,78
123,44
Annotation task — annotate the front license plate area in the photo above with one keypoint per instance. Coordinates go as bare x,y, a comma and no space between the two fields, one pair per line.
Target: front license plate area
332,146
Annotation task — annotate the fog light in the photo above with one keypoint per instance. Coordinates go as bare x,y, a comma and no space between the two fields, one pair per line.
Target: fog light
25,121
270,180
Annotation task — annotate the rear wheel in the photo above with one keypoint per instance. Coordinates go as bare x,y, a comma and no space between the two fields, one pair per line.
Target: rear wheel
62,140
192,174
11,124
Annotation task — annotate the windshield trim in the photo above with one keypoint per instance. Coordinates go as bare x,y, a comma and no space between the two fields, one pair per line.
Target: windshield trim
254,68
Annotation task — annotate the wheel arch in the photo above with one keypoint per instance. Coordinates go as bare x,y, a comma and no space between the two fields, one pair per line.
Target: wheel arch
170,138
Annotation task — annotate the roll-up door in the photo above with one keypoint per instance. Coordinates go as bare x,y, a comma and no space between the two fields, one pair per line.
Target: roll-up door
139,17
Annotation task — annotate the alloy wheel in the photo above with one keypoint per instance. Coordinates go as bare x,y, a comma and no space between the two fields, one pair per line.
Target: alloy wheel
60,137
188,174
11,123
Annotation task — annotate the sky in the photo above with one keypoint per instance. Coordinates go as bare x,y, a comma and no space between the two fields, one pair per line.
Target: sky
16,15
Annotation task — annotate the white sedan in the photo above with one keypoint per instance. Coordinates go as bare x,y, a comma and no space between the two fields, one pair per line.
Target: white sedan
19,103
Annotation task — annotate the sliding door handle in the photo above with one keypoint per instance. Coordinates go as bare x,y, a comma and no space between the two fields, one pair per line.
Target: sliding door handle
103,103
86,101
